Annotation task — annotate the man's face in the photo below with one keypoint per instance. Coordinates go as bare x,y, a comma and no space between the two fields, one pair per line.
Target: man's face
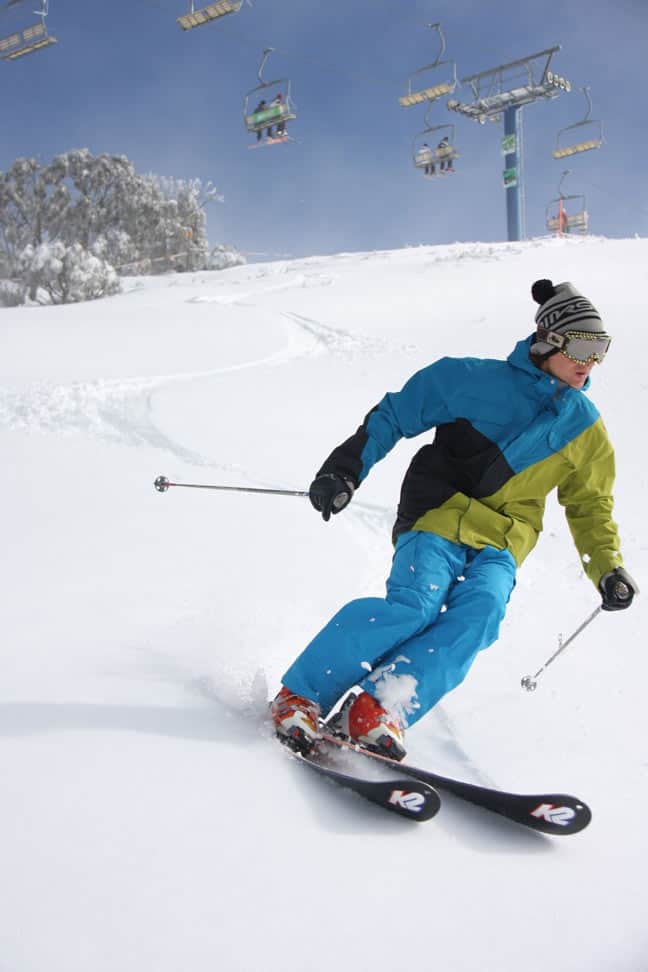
572,373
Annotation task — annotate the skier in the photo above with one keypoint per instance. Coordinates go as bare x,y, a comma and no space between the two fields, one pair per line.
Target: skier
471,506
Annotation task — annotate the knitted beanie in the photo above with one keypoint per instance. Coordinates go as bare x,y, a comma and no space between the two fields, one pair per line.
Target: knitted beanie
562,308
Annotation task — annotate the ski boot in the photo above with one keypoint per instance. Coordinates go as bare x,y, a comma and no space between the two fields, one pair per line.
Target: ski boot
295,720
363,720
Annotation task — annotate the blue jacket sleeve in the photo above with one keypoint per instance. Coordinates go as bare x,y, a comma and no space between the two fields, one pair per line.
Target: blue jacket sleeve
418,407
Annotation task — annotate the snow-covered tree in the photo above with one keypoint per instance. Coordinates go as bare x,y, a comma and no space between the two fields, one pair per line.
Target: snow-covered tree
224,256
116,247
184,226
68,274
32,206
98,208
12,293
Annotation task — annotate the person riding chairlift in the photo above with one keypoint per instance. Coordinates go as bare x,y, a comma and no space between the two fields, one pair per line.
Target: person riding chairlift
563,222
281,125
262,106
445,157
429,166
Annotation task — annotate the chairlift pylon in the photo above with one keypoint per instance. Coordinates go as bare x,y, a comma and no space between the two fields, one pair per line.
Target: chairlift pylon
590,131
437,161
26,40
204,15
419,91
558,220
264,116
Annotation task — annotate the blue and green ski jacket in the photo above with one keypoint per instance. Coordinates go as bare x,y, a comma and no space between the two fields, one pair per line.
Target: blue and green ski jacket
507,434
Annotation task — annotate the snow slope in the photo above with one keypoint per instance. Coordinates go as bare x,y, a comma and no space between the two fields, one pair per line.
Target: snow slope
147,819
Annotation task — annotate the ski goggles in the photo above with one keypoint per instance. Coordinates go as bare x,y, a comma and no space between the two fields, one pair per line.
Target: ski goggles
581,346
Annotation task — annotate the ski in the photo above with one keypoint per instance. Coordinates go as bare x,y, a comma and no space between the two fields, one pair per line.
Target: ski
549,813
406,796
273,140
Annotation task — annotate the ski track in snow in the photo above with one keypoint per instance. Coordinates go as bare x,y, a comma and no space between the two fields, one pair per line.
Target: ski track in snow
446,741
116,410
120,410
338,341
250,299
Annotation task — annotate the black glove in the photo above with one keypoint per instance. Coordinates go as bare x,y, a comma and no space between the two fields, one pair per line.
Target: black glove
617,589
330,493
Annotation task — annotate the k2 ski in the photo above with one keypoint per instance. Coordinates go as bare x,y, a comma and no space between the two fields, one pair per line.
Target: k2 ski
407,796
549,813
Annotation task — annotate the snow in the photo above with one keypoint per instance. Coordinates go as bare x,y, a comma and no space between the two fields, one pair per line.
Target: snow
147,819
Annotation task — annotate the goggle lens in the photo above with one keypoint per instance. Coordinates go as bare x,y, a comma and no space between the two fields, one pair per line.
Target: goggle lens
585,348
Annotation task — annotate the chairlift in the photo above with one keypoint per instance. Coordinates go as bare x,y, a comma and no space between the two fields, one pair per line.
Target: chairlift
438,161
582,136
258,119
419,89
559,221
26,40
196,18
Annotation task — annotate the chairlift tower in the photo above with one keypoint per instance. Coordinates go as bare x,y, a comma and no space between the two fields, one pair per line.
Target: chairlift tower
503,92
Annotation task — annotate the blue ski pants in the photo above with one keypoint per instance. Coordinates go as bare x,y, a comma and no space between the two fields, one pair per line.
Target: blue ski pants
444,604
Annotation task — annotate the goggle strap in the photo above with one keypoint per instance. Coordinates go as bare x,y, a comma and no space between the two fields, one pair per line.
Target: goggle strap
551,337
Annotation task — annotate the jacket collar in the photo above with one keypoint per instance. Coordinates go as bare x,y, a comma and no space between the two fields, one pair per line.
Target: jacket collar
520,358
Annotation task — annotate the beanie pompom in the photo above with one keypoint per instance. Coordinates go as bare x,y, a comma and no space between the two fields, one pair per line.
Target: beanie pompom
542,291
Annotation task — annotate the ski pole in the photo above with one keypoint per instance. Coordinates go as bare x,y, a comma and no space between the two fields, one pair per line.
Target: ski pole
529,682
162,484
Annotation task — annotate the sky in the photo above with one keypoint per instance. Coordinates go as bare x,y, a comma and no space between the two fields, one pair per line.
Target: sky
125,79
148,819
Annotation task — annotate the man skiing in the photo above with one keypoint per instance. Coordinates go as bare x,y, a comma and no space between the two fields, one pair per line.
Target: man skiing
471,507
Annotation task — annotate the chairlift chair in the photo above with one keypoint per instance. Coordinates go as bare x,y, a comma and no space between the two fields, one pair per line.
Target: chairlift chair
430,160
559,221
27,40
196,18
257,121
577,220
582,136
420,90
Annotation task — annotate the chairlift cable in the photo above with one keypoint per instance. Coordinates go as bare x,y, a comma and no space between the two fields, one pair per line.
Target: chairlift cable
326,65
333,68
618,201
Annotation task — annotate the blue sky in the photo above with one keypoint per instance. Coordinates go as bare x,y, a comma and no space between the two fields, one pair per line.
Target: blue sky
125,79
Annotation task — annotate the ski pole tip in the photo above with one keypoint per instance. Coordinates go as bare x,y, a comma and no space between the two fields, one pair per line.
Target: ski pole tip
529,683
161,484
